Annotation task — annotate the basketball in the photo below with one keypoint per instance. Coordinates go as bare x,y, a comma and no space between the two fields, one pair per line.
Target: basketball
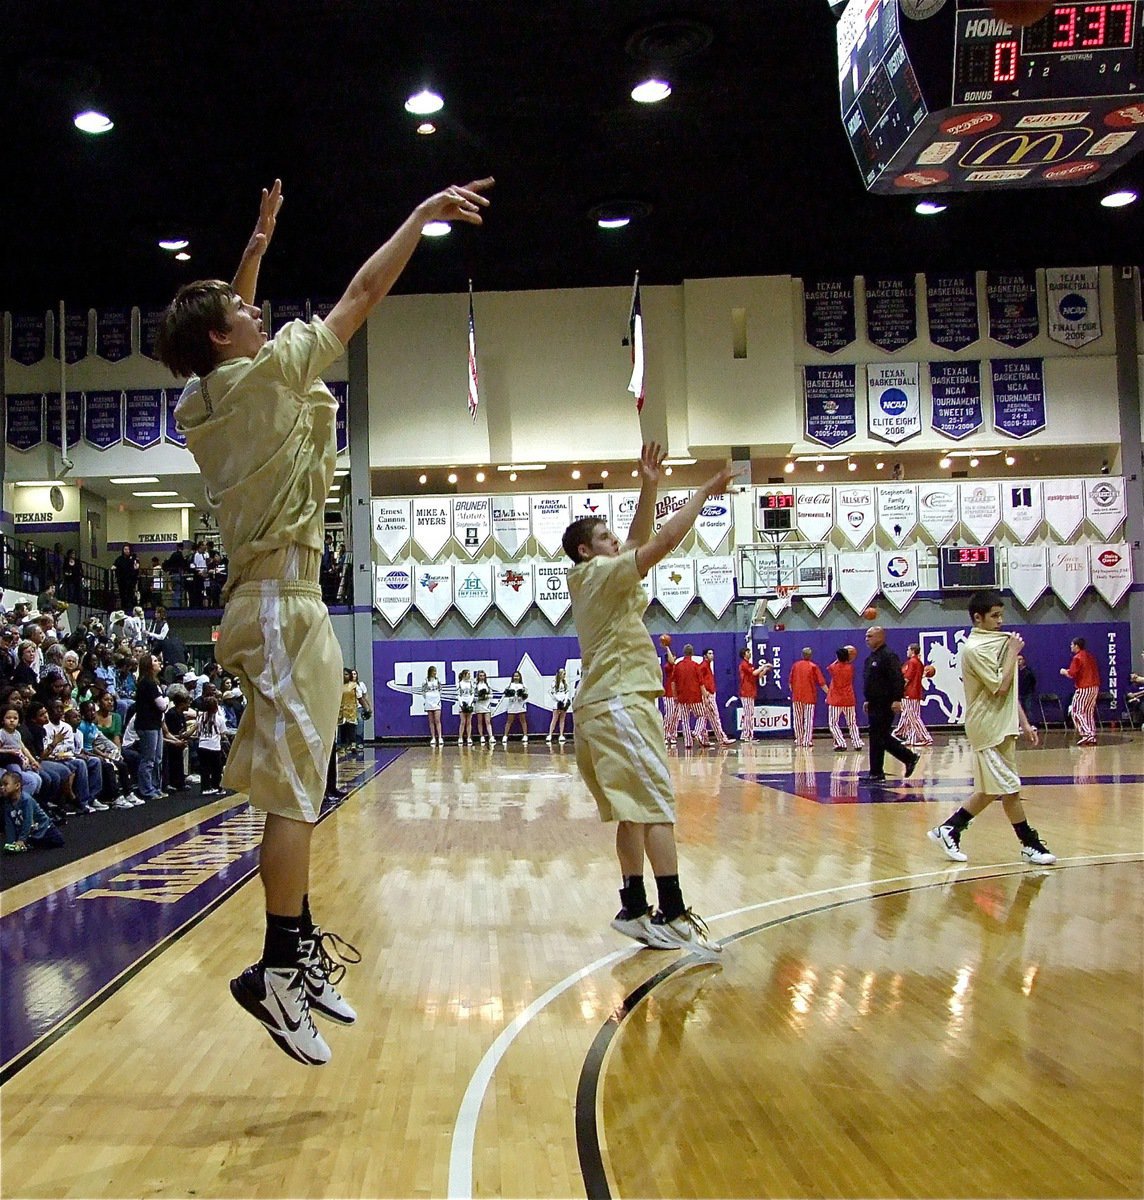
1021,12
870,613
665,639
930,671
852,651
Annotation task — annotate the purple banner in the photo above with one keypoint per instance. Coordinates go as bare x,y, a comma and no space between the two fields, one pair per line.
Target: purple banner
149,321
170,428
891,311
113,334
341,391
75,336
321,308
1018,396
831,395
29,338
284,311
829,309
103,419
956,391
1014,315
24,420
951,306
144,418
53,419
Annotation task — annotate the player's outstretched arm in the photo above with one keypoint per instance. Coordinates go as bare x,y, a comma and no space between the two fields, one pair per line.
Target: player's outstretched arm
246,277
382,269
651,471
675,528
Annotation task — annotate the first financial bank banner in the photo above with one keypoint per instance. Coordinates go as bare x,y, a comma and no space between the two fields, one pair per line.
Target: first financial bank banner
893,402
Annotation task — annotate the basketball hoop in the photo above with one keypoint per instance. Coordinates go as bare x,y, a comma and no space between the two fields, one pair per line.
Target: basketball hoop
784,591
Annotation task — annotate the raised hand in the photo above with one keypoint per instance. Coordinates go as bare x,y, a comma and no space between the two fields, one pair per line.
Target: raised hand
651,463
459,203
718,484
267,219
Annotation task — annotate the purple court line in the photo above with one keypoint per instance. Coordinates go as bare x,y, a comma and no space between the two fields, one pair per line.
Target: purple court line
62,955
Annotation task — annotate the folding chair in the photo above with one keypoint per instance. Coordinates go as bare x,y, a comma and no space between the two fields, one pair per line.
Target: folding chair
1051,698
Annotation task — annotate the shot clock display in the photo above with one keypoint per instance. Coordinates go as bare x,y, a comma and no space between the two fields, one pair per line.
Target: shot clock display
776,512
967,568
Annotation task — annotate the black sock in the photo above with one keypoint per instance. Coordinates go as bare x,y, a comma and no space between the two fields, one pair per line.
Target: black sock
305,921
281,946
670,897
959,820
1024,834
633,897
332,772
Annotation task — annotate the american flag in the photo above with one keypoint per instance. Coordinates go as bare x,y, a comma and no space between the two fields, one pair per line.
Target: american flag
474,398
635,330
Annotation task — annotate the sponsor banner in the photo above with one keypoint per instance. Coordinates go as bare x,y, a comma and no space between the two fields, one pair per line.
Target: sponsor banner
1073,301
854,512
284,311
103,419
432,524
893,402
24,420
891,311
340,390
830,403
714,522
29,338
171,431
1110,567
54,434
143,417
1028,573
472,525
828,304
549,520
433,591
149,321
951,306
590,504
897,505
1069,573
391,519
511,525
113,334
551,588
675,584
648,583
1064,506
899,576
715,582
1104,503
393,591
819,604
779,605
75,335
1019,408
955,392
858,578
513,589
624,505
937,510
667,504
1014,318
1022,507
979,505
814,512
473,590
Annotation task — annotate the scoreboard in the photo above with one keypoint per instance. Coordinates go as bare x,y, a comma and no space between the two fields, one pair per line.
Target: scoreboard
775,511
967,568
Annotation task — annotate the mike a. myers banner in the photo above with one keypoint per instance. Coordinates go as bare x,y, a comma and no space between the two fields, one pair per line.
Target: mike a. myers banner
24,420
828,305
552,595
937,510
433,591
1073,297
830,397
1104,504
715,583
513,590
432,524
29,337
1111,570
891,311
980,509
472,526
550,517
893,404
854,512
143,417
1022,507
713,523
951,308
1018,396
1028,573
899,576
1064,506
814,511
955,391
897,510
393,591
472,590
54,433
113,334
103,419
511,525
1014,318
392,520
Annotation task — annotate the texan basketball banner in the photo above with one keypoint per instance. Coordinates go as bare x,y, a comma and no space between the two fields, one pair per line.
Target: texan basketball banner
472,590
72,416
955,394
29,341
899,577
171,431
513,590
1019,408
713,523
979,505
830,403
433,591
551,588
893,403
675,584
1111,570
549,520
937,510
511,524
393,591
715,582
858,578
1028,573
391,518
1073,298
897,505
1069,573
75,336
590,504
149,321
814,512
113,334
891,311
472,523
24,420
854,512
1104,503
143,418
103,419
1014,317
1064,506
432,524
951,308
1022,507
828,307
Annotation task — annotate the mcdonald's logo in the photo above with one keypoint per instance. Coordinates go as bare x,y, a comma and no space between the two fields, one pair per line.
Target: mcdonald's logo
1014,148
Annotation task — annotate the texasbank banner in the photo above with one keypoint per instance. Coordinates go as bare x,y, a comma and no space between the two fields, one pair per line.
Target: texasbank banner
831,402
1074,305
893,405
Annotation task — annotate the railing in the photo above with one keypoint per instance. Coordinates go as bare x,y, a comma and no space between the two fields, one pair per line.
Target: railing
26,567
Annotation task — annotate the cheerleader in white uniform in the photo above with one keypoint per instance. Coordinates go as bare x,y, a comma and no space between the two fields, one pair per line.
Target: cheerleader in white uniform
484,695
559,698
431,699
517,696
467,703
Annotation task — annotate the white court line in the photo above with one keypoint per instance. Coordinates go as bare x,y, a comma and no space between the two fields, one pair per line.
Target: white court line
465,1127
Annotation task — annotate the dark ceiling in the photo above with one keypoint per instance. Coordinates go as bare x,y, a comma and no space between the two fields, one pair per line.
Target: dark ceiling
744,170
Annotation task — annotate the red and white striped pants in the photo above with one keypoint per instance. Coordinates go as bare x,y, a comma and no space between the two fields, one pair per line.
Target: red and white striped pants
1083,707
747,730
711,712
911,728
803,717
668,715
835,717
686,713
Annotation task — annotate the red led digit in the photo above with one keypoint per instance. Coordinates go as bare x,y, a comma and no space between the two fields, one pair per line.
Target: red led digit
1005,62
1064,36
1095,22
1125,11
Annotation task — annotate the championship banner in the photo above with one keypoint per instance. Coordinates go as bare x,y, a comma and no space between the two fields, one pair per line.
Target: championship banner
1018,396
54,434
143,418
392,520
113,334
937,510
897,506
75,336
1069,573
432,524
24,420
1104,504
551,588
951,308
1074,305
29,341
819,604
1014,317
828,305
149,321
854,512
393,591
282,312
103,419
955,392
171,431
590,504
472,527
1022,508
473,590
858,579
814,512
549,520
513,590
830,404
433,591
1064,506
715,582
1111,570
1028,573
891,311
511,526
893,402
899,576
624,506
340,390
667,504
713,523
675,584
979,506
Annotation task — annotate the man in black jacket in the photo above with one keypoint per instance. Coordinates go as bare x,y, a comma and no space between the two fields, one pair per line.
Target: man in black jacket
883,686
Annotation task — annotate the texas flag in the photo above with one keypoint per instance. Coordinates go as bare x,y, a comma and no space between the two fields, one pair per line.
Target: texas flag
635,330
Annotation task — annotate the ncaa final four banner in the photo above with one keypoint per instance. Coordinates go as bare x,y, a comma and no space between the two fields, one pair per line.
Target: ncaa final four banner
1014,316
893,402
951,308
828,307
1073,298
830,403
891,311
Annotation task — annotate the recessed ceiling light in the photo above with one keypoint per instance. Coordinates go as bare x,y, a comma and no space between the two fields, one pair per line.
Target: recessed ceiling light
975,462
422,478
788,467
92,122
182,256
880,466
480,476
134,479
604,474
424,102
929,208
613,222
436,228
174,504
576,473
822,458
945,463
512,477
335,487
426,128
667,470
173,243
341,471
820,467
153,494
1009,460
452,476
651,91
1118,199
852,466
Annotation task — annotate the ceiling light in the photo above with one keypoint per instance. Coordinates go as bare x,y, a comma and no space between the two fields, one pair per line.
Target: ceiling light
514,467
92,122
851,465
820,467
436,228
651,91
975,462
945,463
821,458
576,473
41,483
173,243
335,487
452,476
929,208
1118,199
679,462
480,476
341,471
154,493
182,256
667,470
426,128
635,474
422,478
512,477
1009,460
788,467
174,504
134,479
879,466
613,222
974,453
604,474
423,103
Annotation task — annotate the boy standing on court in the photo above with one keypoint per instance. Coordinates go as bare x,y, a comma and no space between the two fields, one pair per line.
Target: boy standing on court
619,742
805,677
